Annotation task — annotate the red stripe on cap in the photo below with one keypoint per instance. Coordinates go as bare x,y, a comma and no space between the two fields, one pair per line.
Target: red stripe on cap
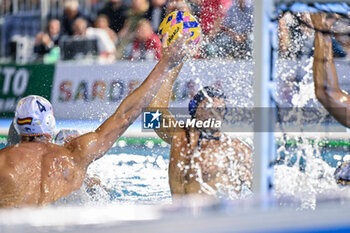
25,121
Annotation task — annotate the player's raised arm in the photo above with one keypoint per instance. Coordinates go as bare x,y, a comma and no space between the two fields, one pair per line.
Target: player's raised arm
91,146
335,100
161,103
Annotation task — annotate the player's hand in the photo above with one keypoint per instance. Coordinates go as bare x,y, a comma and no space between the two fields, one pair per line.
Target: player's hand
323,21
175,53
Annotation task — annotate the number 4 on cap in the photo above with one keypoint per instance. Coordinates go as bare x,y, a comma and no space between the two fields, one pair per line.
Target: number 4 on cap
40,106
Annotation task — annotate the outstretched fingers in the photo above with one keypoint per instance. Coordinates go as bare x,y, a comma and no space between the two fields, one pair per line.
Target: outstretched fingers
178,51
181,41
181,48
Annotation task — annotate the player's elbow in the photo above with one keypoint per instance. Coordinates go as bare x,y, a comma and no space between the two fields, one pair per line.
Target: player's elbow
321,94
332,96
326,96
332,100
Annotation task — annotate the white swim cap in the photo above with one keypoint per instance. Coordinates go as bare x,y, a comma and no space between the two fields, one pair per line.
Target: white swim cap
65,135
34,117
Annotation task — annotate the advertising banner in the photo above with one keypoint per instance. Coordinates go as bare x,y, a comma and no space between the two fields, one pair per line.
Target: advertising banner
95,91
18,81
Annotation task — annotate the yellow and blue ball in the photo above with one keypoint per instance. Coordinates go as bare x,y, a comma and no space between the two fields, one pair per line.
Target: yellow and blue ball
179,22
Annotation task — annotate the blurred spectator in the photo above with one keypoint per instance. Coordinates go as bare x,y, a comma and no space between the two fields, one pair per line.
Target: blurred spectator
195,7
102,22
71,13
146,45
212,14
232,37
116,12
106,48
45,41
157,13
96,6
239,20
238,25
139,10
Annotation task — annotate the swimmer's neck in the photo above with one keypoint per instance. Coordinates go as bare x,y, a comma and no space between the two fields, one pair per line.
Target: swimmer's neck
216,133
41,138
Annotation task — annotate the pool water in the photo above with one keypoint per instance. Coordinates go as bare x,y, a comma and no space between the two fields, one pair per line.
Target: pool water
128,175
135,171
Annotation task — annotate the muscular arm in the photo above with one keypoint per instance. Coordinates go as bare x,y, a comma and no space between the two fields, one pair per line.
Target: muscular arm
161,102
335,100
91,146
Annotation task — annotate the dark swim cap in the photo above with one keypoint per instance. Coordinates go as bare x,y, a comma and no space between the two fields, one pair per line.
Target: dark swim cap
202,95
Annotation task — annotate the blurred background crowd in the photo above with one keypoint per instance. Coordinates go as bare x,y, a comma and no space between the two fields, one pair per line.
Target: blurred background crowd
51,30
109,30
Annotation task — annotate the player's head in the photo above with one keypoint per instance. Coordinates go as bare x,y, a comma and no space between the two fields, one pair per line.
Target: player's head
34,117
208,103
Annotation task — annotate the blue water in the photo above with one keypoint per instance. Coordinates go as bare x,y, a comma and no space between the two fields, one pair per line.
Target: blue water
138,174
333,156
133,175
142,150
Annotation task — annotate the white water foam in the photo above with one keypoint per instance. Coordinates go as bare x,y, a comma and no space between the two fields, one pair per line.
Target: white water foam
311,178
125,179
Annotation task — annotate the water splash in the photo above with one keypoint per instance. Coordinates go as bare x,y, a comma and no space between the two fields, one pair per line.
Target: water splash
304,175
125,179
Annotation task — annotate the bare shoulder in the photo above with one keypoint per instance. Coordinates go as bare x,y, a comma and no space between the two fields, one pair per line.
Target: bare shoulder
24,157
30,150
239,144
19,152
79,146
